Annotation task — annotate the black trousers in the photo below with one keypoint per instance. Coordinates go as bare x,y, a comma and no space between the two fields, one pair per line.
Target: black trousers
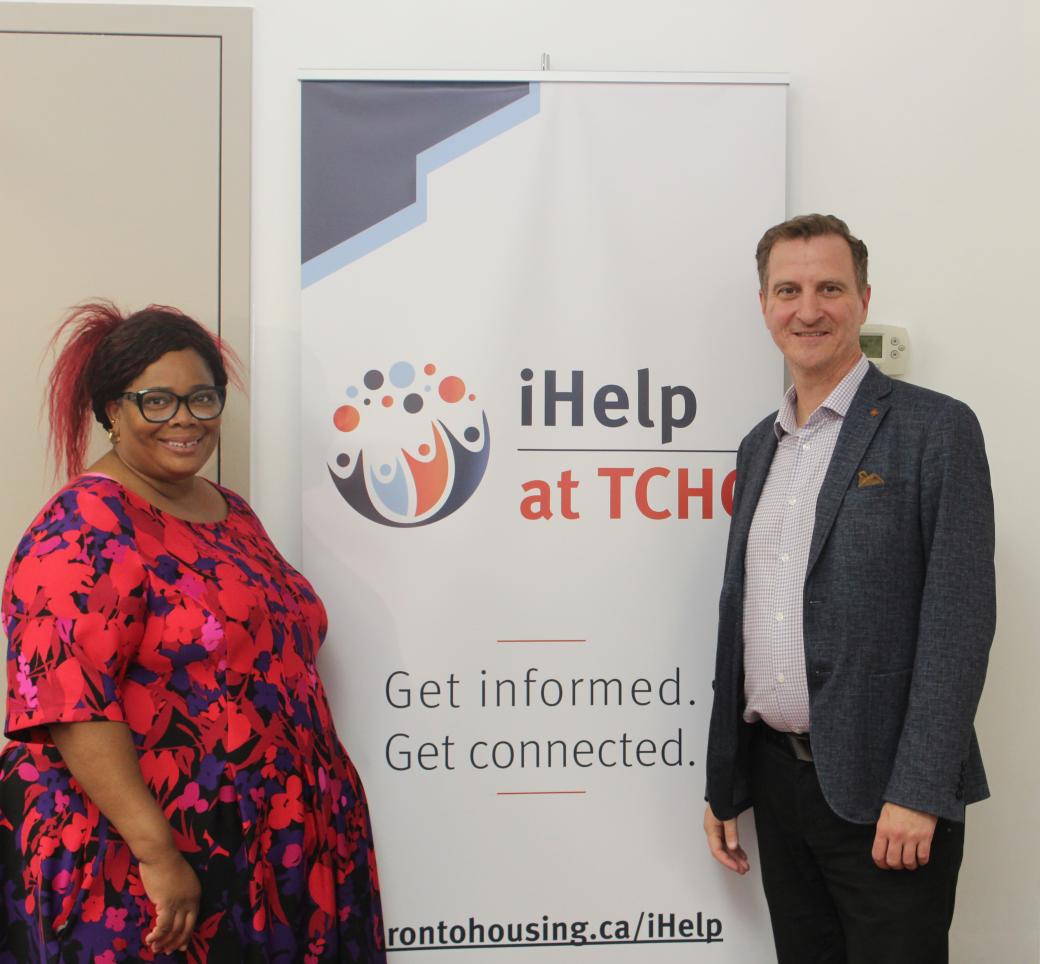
828,902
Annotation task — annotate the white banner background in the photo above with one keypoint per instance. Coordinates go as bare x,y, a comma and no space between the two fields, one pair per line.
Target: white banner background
612,231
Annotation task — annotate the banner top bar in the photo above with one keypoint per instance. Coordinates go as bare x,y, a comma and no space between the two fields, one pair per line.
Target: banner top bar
545,76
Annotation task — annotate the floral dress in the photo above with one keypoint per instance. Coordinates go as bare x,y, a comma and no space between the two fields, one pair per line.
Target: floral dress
203,640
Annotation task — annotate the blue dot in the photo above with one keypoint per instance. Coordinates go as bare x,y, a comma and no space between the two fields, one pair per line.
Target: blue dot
352,392
401,374
427,388
384,470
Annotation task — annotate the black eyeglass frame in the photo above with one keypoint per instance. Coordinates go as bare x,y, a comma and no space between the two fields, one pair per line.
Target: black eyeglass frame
185,400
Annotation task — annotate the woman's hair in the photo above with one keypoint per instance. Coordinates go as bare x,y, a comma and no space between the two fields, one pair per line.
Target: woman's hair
104,352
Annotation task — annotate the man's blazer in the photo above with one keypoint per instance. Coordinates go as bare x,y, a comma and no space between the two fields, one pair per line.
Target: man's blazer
899,609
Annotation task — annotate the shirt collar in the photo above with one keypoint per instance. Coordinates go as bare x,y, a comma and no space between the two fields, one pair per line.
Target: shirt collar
837,402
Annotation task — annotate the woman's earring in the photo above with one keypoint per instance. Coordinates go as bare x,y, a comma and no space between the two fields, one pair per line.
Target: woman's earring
113,434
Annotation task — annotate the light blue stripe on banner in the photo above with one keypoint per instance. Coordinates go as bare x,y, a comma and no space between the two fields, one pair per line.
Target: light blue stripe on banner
324,264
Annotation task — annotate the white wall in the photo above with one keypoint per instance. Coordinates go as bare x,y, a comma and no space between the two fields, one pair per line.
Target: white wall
915,120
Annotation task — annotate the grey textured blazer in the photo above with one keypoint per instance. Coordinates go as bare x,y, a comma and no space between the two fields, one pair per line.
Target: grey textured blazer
899,609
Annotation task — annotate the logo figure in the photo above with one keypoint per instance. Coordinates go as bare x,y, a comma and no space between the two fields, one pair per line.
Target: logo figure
411,447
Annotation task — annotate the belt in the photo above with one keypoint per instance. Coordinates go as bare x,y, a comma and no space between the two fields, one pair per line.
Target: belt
794,744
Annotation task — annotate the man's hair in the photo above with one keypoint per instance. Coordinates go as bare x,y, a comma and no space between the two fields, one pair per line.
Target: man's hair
807,226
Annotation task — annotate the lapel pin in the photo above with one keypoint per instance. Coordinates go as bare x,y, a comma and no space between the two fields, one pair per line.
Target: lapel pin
873,413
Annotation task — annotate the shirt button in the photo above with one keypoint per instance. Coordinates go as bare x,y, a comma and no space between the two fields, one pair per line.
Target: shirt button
785,558
779,617
805,447
779,677
791,501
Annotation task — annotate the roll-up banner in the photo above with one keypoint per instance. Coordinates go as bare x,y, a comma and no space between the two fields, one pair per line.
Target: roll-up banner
531,345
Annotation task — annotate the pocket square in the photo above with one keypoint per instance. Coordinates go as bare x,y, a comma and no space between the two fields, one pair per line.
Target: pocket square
867,479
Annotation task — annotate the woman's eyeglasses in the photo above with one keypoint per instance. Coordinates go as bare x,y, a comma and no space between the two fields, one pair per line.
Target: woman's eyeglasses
159,405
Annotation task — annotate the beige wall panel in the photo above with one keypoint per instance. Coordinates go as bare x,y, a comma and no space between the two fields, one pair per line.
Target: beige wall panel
124,174
109,186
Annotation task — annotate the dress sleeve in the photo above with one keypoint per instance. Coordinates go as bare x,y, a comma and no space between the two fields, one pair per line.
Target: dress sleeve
74,603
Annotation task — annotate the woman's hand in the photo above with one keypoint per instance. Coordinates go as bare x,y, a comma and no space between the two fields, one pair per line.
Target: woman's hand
102,757
172,886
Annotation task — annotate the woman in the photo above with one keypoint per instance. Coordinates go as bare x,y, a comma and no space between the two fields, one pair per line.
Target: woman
174,784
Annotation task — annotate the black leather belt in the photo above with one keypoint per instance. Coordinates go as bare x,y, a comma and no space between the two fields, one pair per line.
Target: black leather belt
795,744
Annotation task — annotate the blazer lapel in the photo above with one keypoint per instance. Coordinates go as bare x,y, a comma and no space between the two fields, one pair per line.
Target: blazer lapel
865,414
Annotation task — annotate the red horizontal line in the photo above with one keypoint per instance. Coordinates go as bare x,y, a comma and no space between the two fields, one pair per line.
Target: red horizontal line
541,640
535,793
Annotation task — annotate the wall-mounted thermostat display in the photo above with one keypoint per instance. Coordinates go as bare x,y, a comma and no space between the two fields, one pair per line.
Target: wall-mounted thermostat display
887,346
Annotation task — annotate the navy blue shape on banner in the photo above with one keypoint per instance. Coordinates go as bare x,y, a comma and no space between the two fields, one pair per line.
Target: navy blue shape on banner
360,141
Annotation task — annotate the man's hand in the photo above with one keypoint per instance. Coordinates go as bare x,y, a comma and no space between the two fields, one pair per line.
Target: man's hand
904,838
724,842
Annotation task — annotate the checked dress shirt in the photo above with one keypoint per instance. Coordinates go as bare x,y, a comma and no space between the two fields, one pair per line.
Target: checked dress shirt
777,556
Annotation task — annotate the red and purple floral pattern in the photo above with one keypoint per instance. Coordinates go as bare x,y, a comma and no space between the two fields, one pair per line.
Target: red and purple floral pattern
204,641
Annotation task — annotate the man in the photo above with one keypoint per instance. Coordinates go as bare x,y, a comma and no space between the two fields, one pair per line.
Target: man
856,617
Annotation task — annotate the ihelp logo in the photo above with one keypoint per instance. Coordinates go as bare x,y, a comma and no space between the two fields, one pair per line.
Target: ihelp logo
411,445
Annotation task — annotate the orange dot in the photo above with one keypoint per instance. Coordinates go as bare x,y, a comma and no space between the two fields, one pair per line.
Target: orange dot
473,398
388,400
430,369
424,449
452,388
346,418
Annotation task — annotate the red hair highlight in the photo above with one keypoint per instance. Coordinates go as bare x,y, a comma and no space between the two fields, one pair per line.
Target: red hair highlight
88,373
69,400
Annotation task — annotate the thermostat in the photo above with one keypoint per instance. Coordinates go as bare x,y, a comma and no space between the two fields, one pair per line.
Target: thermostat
887,346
